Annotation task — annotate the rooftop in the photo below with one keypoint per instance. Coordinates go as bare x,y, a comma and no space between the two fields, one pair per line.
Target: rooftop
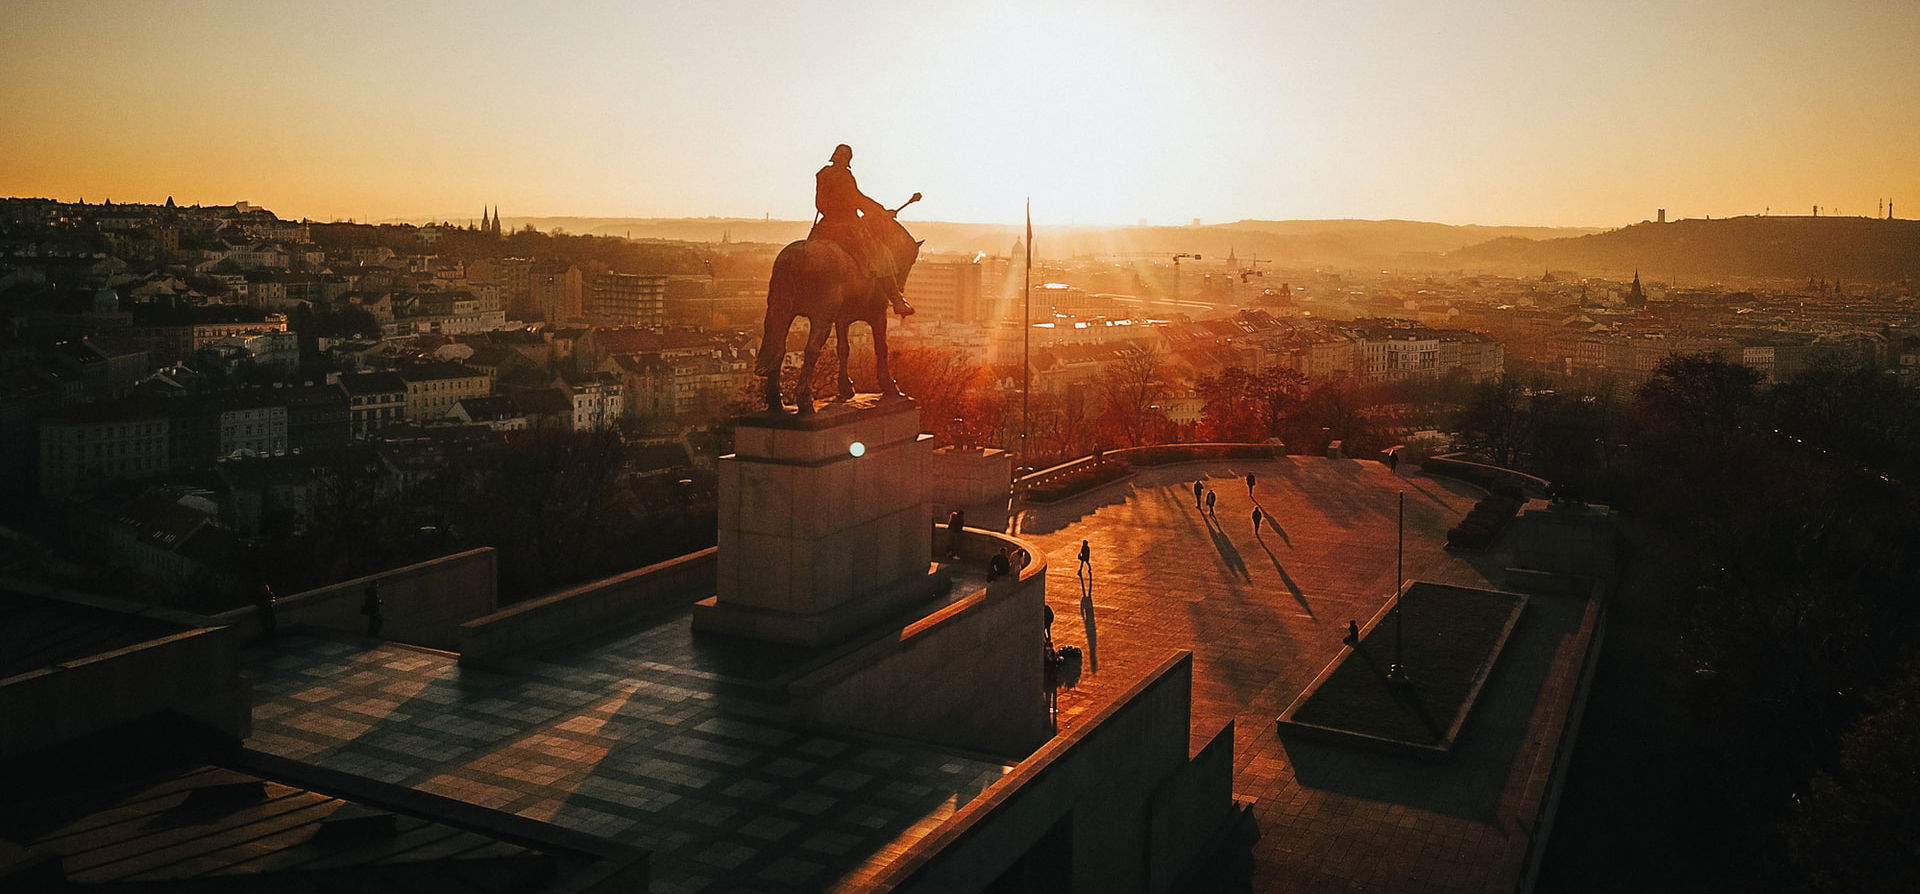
655,738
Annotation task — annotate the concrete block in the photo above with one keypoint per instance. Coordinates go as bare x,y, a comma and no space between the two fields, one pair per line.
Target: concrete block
752,440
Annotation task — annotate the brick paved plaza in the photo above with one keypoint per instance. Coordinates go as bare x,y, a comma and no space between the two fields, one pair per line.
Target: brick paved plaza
1263,615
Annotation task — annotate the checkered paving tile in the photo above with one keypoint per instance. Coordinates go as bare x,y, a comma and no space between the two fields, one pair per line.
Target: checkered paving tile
637,740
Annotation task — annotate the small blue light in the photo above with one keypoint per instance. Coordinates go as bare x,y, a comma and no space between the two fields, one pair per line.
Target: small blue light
857,449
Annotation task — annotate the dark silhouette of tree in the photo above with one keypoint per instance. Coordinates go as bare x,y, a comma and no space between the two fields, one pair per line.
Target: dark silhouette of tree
1498,420
1241,406
1856,828
1131,392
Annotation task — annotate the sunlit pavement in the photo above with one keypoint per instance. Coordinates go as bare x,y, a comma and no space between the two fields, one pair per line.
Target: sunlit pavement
1264,614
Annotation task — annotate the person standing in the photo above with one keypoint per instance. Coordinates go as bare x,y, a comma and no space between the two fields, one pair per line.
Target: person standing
370,606
263,603
1249,484
1197,488
956,520
1256,521
1210,495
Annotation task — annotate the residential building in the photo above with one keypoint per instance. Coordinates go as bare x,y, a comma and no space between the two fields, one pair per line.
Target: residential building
433,388
628,299
123,439
206,427
557,291
375,400
948,291
499,413
596,399
318,417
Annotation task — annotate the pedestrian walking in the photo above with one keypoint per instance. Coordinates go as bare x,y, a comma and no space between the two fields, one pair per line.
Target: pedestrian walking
370,606
1197,488
1249,484
1210,495
1256,521
1086,560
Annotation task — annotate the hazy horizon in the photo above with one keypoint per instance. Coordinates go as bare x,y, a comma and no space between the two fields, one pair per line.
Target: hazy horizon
1106,115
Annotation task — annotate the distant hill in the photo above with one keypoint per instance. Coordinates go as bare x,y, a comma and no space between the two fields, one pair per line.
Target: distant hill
1286,242
1847,249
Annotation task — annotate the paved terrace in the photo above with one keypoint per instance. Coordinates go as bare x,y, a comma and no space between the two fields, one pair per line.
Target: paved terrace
653,739
1263,615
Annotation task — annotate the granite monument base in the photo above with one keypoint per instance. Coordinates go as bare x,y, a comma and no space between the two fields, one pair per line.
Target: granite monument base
825,524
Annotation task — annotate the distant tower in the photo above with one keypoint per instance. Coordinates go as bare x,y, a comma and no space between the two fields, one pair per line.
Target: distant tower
1663,215
1636,297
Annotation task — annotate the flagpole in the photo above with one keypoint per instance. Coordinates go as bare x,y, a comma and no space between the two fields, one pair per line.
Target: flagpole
1397,671
1026,337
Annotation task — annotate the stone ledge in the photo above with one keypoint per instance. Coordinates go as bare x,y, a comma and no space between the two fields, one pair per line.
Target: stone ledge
822,628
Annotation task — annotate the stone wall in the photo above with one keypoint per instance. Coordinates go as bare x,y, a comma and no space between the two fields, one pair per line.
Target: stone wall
195,673
1482,475
423,604
1137,811
580,611
969,675
1186,811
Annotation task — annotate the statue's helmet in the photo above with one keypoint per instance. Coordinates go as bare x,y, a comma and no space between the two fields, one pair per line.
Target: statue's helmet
842,154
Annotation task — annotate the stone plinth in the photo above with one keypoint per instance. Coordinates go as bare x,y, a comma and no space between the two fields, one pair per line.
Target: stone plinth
818,537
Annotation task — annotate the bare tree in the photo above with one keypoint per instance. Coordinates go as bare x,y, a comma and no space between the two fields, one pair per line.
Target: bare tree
1131,391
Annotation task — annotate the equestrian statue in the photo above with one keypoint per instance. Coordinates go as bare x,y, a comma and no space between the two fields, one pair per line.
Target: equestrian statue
852,267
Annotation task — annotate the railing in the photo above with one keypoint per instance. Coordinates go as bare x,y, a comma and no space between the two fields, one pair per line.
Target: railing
1484,476
1142,457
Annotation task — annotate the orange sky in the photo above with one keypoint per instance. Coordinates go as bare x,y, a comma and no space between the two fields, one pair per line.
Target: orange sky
1588,113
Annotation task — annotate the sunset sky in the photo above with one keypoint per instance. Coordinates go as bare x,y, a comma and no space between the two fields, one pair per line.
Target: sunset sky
1542,112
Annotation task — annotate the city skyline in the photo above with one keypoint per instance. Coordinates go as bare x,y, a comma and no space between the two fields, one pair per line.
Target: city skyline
1115,115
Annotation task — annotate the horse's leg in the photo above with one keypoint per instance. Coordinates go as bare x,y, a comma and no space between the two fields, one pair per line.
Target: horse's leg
881,369
773,353
841,329
817,331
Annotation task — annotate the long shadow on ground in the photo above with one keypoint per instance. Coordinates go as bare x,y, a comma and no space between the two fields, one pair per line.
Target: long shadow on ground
1287,579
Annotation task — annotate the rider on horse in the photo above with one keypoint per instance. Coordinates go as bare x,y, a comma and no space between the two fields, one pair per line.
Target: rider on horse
845,218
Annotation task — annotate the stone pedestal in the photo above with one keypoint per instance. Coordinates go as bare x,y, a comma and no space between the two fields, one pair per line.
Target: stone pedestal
825,524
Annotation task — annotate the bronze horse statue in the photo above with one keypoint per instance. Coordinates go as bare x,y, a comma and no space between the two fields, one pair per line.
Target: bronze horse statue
818,280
